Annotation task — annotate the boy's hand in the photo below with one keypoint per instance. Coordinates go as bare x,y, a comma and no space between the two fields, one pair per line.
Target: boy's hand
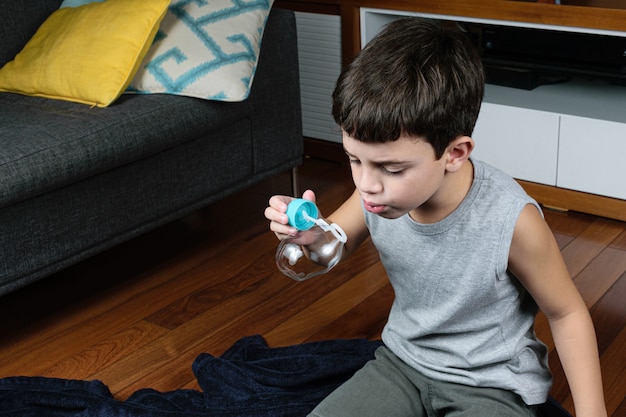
275,213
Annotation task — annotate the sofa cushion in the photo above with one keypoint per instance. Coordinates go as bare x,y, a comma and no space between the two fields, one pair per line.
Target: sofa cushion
207,50
20,20
85,54
68,142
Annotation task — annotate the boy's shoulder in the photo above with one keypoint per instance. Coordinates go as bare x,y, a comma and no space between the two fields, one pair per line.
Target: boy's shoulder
495,180
496,194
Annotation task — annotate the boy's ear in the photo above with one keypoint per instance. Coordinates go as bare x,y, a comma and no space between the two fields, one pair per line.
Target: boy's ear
458,152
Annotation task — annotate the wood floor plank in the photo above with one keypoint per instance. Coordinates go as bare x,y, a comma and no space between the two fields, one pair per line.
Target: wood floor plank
609,314
227,276
105,353
71,326
88,324
365,320
542,330
569,222
590,243
620,411
172,375
620,241
336,303
563,239
600,274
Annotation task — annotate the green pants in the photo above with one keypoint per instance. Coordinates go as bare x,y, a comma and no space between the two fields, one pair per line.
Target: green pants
389,387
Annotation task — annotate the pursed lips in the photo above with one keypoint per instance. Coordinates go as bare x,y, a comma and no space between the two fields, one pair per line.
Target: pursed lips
373,208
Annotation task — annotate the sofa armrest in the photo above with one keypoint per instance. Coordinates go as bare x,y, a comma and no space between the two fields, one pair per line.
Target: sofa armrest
277,122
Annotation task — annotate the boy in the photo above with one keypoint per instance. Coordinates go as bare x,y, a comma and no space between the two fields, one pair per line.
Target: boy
467,251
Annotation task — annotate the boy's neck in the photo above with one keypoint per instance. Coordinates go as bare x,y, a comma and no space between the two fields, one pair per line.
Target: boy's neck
450,195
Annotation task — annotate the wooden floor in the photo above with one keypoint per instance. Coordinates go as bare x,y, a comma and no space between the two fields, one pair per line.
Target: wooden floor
137,316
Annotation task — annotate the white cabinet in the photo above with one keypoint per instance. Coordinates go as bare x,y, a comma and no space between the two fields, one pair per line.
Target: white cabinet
572,152
592,156
570,135
522,142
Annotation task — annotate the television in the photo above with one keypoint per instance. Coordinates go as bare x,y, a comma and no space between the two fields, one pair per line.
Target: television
525,57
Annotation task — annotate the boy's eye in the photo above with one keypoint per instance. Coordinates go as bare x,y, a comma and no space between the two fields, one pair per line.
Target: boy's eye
392,171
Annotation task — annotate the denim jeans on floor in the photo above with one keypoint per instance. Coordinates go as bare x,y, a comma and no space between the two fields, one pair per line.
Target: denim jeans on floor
249,380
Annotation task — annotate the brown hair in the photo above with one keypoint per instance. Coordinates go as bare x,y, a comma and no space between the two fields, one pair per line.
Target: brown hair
417,77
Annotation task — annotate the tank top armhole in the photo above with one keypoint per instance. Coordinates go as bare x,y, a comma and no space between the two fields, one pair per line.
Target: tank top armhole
508,229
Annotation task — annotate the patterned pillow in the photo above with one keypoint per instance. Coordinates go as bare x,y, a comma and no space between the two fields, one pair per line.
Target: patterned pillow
205,49
77,3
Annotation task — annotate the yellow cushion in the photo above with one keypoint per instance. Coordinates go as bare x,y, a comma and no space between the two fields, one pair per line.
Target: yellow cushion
88,54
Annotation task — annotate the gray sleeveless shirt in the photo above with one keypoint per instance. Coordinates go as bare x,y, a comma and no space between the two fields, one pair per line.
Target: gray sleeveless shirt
459,315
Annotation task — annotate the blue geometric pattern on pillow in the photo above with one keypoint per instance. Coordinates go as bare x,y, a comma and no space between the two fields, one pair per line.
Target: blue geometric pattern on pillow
77,3
206,49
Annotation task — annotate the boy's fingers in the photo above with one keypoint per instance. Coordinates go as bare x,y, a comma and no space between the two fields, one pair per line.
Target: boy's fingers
309,195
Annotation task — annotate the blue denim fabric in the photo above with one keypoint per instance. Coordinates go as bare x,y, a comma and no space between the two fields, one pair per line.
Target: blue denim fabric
250,379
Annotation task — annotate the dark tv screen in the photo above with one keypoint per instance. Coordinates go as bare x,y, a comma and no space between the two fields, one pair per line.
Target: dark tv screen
548,55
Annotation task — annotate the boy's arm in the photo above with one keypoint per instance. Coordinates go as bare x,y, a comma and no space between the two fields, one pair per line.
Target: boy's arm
535,259
349,216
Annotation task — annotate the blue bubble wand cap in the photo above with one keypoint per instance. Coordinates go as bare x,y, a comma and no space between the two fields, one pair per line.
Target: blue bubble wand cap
301,213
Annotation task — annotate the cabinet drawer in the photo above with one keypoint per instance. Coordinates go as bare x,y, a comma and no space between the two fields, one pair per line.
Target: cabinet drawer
592,156
521,142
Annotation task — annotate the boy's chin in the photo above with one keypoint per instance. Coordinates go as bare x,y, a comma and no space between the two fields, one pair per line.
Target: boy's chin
391,213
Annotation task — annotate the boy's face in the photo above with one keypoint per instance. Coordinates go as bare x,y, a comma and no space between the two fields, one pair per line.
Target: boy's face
394,178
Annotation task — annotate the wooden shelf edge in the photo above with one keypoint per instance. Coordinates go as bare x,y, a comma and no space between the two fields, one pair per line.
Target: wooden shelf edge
549,196
564,199
579,16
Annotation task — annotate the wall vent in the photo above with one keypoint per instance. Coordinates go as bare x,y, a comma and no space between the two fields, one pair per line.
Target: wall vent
319,46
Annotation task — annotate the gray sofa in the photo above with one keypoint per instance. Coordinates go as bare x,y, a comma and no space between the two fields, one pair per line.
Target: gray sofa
76,180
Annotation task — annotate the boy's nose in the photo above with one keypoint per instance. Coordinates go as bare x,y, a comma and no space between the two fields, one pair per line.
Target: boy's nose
369,182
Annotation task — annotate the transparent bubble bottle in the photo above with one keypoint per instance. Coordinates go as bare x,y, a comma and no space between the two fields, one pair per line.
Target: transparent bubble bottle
317,248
